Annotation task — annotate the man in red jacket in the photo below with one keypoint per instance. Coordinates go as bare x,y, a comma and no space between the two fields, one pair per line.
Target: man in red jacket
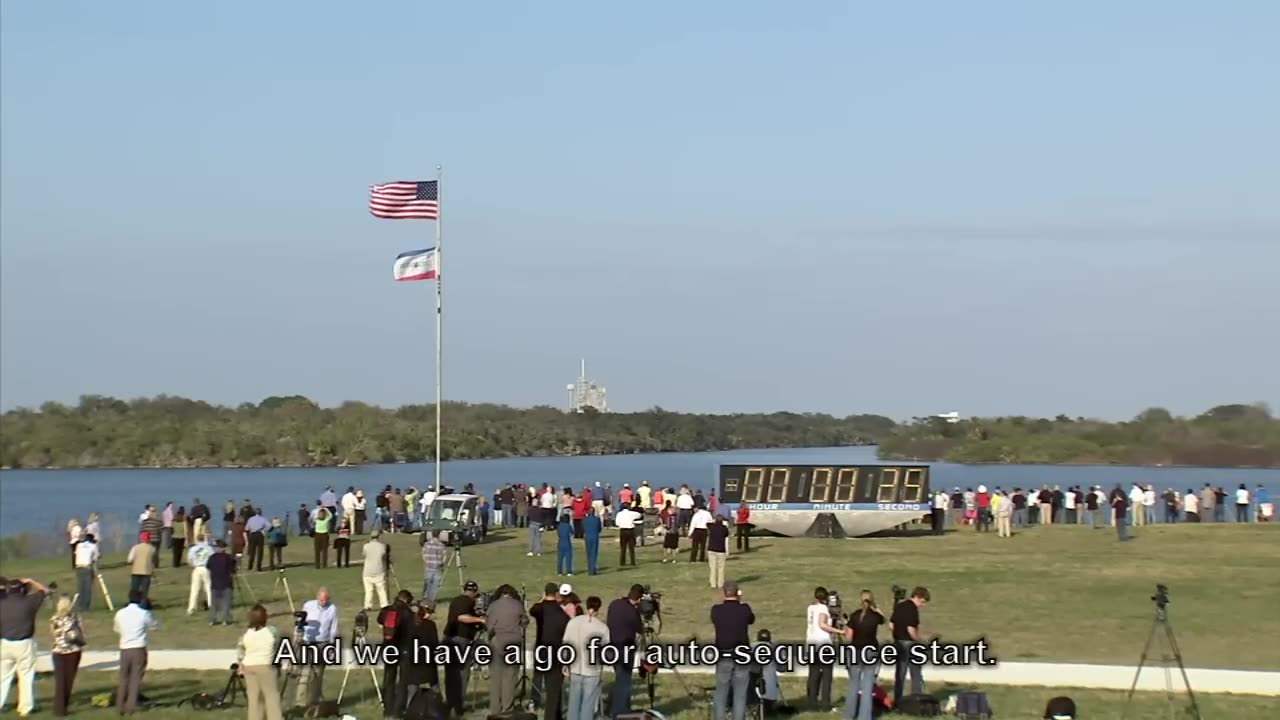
580,505
743,523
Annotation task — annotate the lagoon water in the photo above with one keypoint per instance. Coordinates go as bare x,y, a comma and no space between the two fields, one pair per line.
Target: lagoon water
41,501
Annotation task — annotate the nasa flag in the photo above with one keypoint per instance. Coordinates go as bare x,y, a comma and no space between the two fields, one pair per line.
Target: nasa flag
416,265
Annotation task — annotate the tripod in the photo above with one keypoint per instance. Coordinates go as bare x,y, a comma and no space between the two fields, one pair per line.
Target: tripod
525,690
456,561
235,688
358,639
294,670
1170,652
281,579
242,583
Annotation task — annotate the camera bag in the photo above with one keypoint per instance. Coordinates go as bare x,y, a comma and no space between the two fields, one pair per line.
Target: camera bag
973,706
920,706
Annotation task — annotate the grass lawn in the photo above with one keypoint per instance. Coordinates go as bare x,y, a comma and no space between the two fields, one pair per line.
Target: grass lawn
1068,594
170,687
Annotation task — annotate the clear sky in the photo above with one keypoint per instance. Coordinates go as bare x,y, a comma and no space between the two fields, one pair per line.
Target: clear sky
904,208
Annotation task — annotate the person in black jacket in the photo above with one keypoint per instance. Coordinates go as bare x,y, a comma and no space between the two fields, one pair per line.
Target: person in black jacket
554,622
419,671
397,621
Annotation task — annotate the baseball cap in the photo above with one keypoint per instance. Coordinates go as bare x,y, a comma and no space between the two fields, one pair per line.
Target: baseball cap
566,589
472,586
731,588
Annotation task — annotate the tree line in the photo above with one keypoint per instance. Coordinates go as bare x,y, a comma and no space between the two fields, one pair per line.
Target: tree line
1224,436
167,431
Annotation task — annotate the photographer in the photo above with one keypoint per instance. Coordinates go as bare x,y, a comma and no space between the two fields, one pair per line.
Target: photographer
321,628
506,622
18,608
434,555
86,558
551,620
460,629
905,627
396,620
861,632
421,671
625,626
222,573
732,619
818,631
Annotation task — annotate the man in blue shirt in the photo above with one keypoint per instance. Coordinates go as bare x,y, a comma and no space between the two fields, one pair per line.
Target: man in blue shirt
321,629
256,527
591,527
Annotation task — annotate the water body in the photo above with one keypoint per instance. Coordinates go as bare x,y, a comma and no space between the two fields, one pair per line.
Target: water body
41,501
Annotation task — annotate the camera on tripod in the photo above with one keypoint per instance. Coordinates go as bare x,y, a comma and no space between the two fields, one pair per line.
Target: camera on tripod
650,607
483,601
360,627
1161,598
835,610
300,619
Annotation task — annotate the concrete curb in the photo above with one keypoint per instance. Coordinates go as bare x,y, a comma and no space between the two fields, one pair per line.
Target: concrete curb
1102,677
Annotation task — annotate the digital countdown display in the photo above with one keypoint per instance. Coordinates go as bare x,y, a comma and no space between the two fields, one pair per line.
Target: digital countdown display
824,484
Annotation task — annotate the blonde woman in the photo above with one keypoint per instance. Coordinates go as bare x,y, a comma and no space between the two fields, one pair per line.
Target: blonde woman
255,653
68,640
74,533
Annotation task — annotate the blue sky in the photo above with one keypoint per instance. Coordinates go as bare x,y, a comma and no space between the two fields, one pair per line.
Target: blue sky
905,208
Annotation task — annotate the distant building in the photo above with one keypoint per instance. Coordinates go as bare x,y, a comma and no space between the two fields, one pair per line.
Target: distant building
585,394
951,417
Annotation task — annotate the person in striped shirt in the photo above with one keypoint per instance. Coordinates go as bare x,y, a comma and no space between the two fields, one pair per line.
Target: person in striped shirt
434,555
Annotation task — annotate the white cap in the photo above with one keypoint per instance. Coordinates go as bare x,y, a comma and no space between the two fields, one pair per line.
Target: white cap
626,485
982,488
597,483
566,589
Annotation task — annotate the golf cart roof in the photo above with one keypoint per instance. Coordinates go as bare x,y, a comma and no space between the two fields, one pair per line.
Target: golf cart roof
454,498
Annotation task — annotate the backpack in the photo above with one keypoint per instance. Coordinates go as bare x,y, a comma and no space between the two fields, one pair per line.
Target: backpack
389,618
973,706
920,706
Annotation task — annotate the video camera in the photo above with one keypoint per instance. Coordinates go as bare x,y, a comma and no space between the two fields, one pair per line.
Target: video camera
836,610
300,619
483,601
650,607
899,594
361,626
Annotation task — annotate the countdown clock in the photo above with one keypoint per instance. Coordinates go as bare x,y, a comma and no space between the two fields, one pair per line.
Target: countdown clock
819,485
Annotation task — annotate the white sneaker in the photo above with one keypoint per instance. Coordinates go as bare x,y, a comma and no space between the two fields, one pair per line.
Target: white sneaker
529,554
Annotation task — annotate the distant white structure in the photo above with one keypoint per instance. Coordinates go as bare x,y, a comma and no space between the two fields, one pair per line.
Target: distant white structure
951,417
585,394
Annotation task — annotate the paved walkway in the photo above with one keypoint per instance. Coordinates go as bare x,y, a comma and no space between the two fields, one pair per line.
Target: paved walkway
1107,677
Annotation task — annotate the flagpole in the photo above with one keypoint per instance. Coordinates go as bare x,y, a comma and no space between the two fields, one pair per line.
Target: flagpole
439,314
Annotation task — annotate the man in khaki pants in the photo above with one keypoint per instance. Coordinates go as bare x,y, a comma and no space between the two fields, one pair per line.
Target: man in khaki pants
1004,515
198,558
717,550
1046,506
1136,497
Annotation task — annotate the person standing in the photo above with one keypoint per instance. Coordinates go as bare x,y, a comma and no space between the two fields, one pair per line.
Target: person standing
329,500
348,504
277,541
1120,509
377,561
1208,498
222,572
698,535
141,564
167,516
320,537
199,516
342,545
178,536
255,654
413,675
626,521
861,633
396,620
1136,495
818,632
19,605
938,517
742,525
732,619
87,555
1191,506
564,544
132,623
198,558
555,620
1046,505
536,517
581,633
152,525
625,626
68,641
256,529
684,509
1242,504
362,512
321,628
460,629
434,555
1219,504
905,628
75,533
506,622
1004,518
1262,499
540,612
592,525
717,550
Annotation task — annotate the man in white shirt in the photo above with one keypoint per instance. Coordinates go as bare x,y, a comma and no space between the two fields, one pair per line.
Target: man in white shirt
626,520
198,558
428,497
1191,506
348,503
584,677
321,629
87,555
132,623
939,517
1242,504
377,561
1136,511
1069,506
1149,504
698,535
818,629
684,509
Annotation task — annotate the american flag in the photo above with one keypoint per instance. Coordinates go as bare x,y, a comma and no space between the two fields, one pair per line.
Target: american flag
405,200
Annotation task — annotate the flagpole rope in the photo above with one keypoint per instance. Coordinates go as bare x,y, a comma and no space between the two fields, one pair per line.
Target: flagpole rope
439,315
